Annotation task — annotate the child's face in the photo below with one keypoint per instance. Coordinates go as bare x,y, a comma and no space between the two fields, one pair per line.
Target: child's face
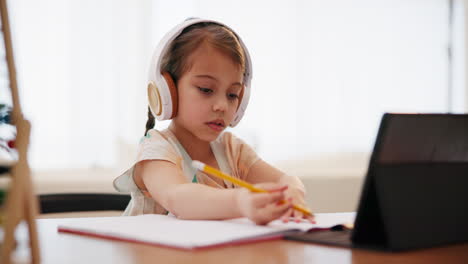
208,93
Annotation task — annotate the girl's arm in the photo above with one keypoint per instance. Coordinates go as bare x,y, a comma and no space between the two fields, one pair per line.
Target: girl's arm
167,185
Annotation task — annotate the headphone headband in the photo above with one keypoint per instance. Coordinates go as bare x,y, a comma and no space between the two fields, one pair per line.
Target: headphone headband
159,87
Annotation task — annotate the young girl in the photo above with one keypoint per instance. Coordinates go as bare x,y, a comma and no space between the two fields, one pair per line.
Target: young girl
200,78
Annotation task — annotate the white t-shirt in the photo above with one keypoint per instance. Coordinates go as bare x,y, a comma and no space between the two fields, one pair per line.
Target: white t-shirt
233,155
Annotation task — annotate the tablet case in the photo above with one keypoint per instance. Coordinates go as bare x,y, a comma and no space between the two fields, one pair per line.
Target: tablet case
415,193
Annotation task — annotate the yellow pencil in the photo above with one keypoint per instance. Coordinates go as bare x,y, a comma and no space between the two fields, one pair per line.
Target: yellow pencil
212,171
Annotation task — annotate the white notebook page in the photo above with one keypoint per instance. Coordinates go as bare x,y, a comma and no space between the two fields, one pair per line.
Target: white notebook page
170,231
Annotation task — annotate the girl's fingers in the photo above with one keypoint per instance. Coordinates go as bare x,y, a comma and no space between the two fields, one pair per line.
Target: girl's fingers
260,200
287,215
311,219
278,210
271,212
298,216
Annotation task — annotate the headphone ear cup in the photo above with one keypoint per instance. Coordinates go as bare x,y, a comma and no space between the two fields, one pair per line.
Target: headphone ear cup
173,92
154,99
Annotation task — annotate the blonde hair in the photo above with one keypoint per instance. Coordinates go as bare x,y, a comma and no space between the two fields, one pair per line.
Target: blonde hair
176,63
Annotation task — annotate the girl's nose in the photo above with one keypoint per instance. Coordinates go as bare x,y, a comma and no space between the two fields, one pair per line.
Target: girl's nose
220,104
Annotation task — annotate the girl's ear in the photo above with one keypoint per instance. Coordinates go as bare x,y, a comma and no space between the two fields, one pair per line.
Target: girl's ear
173,92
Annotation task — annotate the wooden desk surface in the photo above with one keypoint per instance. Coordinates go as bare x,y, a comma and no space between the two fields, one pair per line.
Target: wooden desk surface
67,248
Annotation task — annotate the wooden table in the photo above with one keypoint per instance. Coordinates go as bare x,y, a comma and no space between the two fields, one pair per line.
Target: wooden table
66,248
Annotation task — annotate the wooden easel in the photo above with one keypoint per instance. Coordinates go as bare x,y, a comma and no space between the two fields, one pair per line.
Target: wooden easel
21,203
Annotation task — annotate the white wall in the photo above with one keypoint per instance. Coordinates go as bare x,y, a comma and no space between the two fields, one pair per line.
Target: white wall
324,71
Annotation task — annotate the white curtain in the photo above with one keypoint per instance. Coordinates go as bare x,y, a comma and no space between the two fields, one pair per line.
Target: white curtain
324,71
82,69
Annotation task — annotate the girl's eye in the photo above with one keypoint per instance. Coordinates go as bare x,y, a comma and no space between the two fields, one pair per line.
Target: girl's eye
233,96
205,90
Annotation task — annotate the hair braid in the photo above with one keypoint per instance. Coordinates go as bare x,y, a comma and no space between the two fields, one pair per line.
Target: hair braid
150,122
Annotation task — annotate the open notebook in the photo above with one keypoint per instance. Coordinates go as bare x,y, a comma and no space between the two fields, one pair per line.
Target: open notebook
168,231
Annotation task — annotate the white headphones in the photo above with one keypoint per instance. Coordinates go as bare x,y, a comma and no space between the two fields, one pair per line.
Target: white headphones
162,91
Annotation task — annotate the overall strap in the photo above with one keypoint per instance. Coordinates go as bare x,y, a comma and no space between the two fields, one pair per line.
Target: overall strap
219,152
217,147
191,174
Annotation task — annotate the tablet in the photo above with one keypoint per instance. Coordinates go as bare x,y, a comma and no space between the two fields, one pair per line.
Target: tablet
415,191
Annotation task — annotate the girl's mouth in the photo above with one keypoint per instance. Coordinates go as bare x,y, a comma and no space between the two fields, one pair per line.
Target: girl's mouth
217,125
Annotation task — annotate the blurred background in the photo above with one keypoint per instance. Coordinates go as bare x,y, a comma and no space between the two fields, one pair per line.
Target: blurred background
324,72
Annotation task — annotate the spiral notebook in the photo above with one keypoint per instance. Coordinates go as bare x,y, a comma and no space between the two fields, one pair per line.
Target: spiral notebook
168,231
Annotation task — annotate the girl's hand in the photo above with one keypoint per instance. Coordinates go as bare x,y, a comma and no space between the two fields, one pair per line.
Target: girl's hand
296,196
262,208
